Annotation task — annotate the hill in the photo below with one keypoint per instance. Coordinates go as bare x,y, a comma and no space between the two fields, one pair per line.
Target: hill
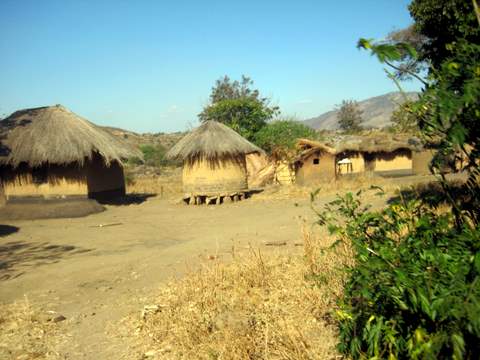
136,139
376,112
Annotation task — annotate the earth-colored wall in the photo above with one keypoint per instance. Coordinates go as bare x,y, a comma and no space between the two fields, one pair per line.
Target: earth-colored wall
284,174
203,177
309,173
421,161
93,179
3,198
104,182
397,160
55,181
357,160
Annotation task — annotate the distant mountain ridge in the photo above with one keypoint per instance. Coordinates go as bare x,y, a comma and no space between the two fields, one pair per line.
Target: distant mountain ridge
376,112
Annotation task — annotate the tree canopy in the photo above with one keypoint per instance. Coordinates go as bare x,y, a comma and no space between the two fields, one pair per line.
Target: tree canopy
238,105
279,138
349,116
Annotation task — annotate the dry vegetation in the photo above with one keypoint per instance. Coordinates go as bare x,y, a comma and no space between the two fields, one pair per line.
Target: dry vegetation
258,306
27,333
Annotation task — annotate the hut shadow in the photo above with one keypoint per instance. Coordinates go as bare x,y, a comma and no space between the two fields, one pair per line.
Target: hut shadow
6,230
430,193
129,199
19,257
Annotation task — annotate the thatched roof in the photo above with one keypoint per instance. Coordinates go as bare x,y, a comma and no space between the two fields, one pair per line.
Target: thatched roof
211,140
378,142
55,135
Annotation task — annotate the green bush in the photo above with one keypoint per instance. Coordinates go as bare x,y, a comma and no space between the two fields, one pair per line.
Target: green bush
279,137
154,155
414,291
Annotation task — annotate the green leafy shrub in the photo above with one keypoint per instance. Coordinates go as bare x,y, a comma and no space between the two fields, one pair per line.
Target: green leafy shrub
414,291
154,155
279,137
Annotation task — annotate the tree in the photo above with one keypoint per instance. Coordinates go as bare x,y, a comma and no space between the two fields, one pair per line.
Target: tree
349,116
279,138
404,119
413,291
239,106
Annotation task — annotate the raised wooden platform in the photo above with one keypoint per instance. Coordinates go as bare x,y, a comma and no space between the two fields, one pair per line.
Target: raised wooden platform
214,199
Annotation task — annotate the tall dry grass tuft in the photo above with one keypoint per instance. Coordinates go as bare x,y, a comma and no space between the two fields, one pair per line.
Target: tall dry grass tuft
258,306
26,333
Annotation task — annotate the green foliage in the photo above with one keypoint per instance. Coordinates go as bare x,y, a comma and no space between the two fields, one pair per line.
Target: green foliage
448,110
279,137
415,287
404,119
238,105
244,115
154,155
444,22
349,116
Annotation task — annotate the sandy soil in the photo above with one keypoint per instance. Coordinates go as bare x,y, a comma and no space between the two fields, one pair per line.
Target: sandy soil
94,275
96,269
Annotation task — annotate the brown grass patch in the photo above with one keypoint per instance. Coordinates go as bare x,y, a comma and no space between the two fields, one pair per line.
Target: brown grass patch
258,306
26,333
162,186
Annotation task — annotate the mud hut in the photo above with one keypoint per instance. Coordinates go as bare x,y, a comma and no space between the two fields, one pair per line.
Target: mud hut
51,151
214,167
375,153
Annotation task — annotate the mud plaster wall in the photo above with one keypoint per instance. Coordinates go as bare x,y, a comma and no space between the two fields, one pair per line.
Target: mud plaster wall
47,181
397,160
284,173
105,181
358,162
421,161
310,173
58,180
202,177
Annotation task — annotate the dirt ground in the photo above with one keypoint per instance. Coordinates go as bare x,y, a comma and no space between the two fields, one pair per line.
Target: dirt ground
96,269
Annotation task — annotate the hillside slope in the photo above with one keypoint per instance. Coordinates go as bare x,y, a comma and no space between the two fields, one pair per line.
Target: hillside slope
376,112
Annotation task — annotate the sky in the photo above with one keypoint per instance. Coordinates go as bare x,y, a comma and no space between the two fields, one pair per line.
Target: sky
149,66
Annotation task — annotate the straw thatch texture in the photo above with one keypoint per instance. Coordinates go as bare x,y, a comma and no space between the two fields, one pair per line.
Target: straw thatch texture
55,135
212,140
380,142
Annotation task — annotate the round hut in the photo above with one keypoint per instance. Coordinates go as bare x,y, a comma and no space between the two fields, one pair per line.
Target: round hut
214,167
51,151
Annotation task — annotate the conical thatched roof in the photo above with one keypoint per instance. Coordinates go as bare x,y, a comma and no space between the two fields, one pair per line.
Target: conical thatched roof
212,140
55,135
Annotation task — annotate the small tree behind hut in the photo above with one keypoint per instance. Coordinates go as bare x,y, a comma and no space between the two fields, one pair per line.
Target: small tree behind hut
239,106
349,116
279,138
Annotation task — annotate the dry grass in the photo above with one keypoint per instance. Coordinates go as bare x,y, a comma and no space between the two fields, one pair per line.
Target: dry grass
258,306
162,186
26,333
279,192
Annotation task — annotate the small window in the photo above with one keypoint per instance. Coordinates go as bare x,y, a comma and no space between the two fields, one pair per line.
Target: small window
316,161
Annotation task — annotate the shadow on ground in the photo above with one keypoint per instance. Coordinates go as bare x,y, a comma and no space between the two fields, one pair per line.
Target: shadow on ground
129,199
30,208
432,193
6,230
18,257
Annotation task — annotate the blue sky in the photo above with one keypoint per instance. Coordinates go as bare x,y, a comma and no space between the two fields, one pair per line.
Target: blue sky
148,66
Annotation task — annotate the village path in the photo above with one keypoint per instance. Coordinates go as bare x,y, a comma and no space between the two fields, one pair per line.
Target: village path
95,276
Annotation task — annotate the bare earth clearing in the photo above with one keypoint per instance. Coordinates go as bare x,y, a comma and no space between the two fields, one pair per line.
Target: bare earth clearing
95,275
